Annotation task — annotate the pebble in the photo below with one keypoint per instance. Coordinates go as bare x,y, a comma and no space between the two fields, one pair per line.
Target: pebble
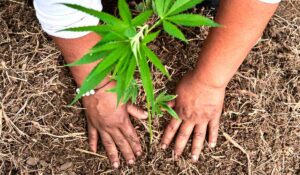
66,166
32,161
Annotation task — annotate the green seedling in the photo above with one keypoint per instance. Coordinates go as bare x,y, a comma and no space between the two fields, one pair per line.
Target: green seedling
124,50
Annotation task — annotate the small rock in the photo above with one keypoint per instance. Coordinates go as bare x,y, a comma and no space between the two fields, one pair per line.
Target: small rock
66,166
32,161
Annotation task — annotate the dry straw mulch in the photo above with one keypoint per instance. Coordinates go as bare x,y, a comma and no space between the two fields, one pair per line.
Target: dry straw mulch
40,134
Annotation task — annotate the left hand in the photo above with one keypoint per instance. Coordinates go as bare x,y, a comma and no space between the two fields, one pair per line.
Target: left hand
199,106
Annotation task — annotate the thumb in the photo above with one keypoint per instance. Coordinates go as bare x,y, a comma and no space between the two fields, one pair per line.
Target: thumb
136,112
171,103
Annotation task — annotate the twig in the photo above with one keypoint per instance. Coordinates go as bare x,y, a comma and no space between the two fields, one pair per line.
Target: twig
4,155
23,107
89,152
22,3
65,136
1,115
240,148
11,123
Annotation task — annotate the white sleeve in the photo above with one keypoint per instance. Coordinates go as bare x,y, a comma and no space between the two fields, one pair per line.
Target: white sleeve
271,1
54,16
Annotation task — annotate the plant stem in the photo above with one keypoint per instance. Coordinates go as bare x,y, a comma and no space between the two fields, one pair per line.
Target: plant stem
155,25
150,126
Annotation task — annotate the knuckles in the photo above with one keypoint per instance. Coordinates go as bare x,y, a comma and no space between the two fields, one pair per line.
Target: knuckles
198,134
202,112
116,121
92,136
108,143
121,142
182,134
132,139
112,156
171,128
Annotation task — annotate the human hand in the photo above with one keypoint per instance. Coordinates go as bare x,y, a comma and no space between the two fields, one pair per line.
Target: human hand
112,123
199,106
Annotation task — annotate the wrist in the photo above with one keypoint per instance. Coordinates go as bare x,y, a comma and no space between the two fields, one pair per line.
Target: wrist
210,78
99,89
79,77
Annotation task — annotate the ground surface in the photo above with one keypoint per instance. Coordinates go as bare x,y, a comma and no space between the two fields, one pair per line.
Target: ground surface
41,134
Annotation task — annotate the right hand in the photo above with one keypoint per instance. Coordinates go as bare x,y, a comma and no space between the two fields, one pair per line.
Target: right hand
112,124
199,106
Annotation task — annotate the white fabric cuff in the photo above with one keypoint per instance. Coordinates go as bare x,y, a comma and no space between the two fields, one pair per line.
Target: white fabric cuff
271,1
54,16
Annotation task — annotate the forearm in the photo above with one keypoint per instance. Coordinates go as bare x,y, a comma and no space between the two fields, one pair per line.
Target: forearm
55,17
73,49
226,47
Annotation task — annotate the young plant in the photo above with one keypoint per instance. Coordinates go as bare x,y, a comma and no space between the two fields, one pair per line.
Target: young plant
123,50
161,104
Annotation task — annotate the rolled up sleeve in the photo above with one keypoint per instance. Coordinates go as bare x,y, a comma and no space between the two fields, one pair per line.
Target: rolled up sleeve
271,1
53,16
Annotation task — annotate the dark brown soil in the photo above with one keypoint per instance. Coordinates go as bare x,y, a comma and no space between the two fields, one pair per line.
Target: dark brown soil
40,134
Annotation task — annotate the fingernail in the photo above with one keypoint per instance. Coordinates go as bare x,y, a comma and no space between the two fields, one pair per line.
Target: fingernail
194,158
130,162
138,153
163,146
145,115
212,145
116,165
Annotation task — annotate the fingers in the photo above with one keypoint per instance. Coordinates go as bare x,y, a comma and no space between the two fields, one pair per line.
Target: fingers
171,103
198,140
110,148
132,137
183,136
93,137
170,133
213,127
136,112
124,146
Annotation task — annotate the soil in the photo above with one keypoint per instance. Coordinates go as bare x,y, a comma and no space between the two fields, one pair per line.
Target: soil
41,134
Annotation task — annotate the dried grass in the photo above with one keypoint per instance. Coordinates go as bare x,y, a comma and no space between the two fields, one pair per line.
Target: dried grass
261,112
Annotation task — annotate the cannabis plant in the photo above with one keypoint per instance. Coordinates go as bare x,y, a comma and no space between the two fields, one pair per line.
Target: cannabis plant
123,50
